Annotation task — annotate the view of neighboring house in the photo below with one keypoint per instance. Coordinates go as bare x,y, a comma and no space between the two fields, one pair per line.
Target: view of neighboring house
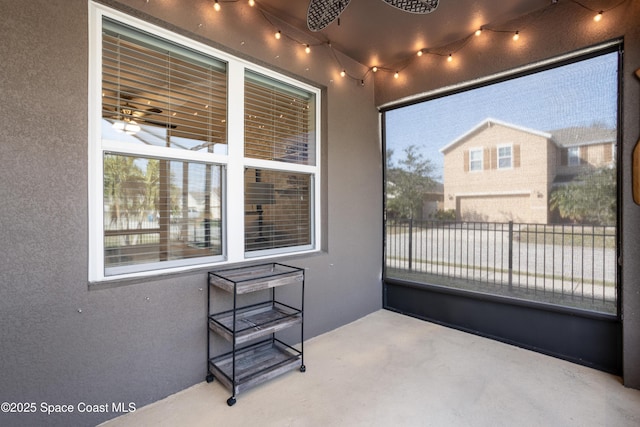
503,172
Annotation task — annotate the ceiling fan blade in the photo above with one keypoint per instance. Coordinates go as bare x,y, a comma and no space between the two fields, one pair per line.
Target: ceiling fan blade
157,123
323,12
414,6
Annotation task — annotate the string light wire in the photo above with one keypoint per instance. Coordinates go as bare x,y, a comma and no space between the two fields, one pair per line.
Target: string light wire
450,49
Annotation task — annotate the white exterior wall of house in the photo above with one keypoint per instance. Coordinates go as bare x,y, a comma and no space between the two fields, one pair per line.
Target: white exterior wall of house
519,193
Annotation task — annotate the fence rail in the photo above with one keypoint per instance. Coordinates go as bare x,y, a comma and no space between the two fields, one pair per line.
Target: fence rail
557,263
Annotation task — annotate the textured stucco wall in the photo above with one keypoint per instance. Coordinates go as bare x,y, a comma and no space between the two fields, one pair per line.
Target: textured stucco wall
565,27
63,342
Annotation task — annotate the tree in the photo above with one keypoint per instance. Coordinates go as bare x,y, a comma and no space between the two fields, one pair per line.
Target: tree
408,182
590,198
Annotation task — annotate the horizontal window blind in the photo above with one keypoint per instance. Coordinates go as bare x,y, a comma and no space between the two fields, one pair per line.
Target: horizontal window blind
160,210
157,93
277,209
158,198
279,121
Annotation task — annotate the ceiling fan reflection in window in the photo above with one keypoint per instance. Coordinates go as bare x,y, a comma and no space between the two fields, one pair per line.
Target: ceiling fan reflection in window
129,116
323,12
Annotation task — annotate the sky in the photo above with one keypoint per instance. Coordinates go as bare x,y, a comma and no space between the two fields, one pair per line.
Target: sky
578,94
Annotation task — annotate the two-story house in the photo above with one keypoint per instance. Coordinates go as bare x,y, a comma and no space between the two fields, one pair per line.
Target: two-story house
503,172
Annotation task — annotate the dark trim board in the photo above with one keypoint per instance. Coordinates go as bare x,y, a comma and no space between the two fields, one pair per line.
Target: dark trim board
585,338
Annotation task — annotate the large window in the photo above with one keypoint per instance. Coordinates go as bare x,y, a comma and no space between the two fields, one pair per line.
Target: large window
196,157
532,225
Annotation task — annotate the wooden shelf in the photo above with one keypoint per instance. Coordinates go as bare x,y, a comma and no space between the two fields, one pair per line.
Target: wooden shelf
250,279
254,321
255,364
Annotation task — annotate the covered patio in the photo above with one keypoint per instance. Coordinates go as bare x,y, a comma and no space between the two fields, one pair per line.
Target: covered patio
389,369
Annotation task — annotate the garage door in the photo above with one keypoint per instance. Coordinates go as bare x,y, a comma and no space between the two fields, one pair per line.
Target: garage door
515,208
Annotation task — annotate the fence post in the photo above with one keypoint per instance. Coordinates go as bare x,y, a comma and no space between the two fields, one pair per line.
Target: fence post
410,244
510,255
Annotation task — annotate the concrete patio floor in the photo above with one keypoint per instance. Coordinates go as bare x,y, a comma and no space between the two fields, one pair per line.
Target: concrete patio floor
387,369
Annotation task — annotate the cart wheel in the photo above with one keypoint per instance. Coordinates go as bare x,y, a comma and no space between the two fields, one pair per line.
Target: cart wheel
231,401
210,378
303,368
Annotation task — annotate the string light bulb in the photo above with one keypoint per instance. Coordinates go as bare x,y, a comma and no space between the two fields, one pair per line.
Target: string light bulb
343,73
516,36
478,32
252,3
307,49
450,57
374,69
419,52
396,75
278,35
216,6
598,17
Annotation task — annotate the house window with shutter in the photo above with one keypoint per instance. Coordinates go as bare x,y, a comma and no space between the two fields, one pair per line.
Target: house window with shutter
186,141
475,159
505,157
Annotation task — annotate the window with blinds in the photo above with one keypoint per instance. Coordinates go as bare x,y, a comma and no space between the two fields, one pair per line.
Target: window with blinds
160,211
157,93
279,127
279,121
171,187
277,209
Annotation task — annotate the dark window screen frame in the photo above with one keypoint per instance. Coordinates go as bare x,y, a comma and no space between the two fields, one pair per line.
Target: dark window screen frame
442,234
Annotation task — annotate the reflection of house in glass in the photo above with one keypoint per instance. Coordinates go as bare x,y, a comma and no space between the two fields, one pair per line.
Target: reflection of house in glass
502,172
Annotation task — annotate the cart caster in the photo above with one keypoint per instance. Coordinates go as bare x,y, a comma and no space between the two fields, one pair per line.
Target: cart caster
303,368
210,378
231,401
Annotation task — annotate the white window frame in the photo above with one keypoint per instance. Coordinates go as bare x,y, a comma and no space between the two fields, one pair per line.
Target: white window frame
234,161
510,157
481,160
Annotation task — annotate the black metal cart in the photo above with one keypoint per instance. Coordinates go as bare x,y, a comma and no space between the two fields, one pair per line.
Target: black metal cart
256,355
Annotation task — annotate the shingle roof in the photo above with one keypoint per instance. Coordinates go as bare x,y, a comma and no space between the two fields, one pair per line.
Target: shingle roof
575,136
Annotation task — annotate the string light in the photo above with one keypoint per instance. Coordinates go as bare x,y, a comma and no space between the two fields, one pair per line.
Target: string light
462,42
216,6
